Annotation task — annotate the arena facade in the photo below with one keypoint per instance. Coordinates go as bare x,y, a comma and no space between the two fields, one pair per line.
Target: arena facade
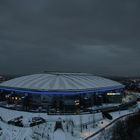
59,92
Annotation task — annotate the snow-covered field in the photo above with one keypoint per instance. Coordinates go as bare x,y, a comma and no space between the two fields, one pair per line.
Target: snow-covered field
74,127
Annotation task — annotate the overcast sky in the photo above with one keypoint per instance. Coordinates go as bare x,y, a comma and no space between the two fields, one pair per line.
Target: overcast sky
94,36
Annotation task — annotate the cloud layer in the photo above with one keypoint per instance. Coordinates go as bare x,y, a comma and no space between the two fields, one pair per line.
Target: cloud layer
97,36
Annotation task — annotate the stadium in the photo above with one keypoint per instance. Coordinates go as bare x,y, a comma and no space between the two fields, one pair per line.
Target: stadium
59,92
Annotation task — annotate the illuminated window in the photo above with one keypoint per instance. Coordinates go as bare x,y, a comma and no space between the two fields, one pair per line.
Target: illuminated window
77,102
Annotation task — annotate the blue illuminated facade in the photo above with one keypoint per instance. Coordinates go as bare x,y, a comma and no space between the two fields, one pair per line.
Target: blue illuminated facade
59,100
58,92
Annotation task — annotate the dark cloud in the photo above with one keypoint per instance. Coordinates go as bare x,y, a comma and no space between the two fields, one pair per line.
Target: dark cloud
98,36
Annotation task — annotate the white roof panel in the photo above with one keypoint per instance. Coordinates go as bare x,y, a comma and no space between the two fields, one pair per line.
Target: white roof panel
60,81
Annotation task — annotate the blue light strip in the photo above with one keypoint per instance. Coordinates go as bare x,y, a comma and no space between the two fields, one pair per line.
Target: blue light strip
99,90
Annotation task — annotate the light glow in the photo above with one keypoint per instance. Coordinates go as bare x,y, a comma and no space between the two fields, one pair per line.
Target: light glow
113,94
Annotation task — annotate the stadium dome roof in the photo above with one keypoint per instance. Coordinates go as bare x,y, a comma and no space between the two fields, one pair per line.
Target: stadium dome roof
61,82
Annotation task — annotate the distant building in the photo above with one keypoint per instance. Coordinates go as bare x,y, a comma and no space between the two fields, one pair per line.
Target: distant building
2,78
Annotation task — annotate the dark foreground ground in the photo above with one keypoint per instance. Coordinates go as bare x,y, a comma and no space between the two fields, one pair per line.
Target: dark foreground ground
128,129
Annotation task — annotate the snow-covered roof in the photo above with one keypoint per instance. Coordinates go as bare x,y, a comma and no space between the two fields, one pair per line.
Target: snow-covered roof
60,81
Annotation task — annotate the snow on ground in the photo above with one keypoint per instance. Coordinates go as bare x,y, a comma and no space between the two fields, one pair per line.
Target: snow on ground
74,127
59,134
8,114
106,133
